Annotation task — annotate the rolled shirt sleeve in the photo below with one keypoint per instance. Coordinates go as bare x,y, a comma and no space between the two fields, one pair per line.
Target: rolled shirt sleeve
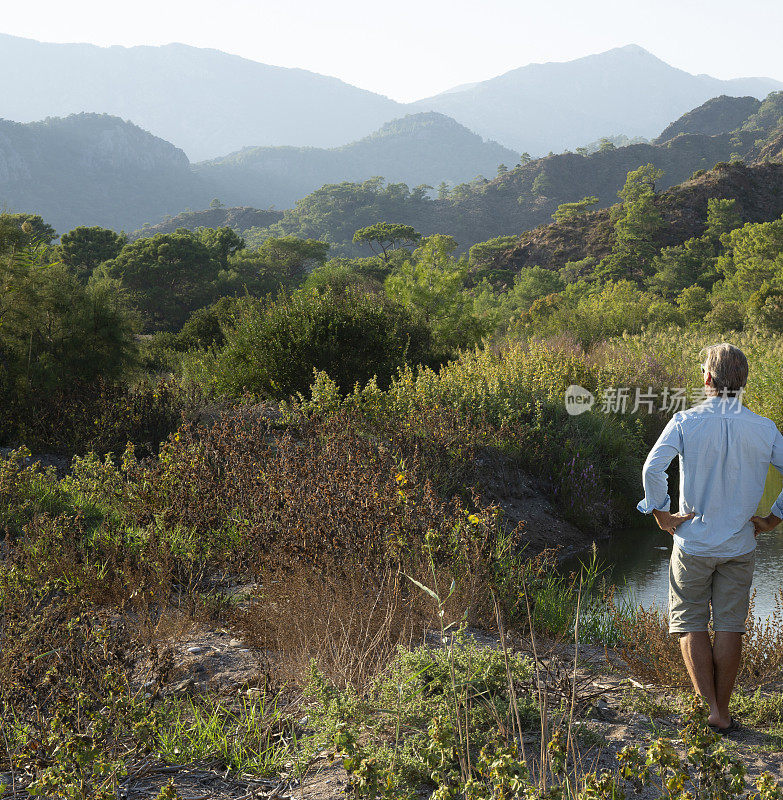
777,462
669,444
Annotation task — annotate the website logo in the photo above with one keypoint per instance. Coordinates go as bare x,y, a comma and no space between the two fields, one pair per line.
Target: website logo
578,400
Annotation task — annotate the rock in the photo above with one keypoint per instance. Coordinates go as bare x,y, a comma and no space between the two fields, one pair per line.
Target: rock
602,711
235,643
198,650
607,713
184,687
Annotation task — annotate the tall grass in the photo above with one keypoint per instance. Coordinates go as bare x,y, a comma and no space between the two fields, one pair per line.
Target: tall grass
249,735
562,600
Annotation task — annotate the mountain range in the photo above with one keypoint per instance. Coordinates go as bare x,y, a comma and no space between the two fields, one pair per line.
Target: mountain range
560,106
210,103
204,101
91,169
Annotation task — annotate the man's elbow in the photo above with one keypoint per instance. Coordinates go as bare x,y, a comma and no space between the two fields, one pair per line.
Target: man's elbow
652,471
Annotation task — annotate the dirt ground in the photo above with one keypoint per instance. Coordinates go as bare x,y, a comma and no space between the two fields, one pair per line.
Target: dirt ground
522,497
215,661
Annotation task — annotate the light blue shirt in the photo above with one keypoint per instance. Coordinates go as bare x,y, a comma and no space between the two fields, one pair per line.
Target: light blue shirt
725,451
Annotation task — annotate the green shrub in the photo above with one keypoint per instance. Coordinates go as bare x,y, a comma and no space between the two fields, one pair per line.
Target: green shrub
101,417
421,688
274,346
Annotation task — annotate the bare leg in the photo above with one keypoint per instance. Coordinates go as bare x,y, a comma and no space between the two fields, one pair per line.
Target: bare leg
726,655
697,653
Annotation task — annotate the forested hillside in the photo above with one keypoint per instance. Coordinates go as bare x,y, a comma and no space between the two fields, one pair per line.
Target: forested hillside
425,148
718,115
528,195
94,169
757,191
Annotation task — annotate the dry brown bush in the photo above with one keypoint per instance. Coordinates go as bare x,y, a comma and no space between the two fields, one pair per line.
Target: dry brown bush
347,623
328,492
654,656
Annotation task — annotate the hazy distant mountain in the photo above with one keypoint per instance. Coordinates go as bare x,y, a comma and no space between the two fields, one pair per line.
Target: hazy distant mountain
93,169
207,102
558,106
424,148
210,103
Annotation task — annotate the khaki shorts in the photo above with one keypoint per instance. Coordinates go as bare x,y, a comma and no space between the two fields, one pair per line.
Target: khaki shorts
696,582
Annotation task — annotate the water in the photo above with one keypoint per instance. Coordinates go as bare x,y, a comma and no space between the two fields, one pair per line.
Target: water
639,560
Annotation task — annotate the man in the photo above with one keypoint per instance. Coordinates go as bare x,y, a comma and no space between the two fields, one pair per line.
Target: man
724,454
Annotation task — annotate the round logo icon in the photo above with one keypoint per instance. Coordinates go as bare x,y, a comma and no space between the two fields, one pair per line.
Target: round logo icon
578,400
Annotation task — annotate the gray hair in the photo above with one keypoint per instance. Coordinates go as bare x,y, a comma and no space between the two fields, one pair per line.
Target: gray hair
727,365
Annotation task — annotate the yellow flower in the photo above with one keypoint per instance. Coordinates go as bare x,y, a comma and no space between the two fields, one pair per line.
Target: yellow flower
472,518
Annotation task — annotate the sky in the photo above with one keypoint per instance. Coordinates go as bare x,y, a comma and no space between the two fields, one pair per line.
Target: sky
409,49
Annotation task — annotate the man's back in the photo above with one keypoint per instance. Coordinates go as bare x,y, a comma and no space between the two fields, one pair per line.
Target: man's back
725,451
